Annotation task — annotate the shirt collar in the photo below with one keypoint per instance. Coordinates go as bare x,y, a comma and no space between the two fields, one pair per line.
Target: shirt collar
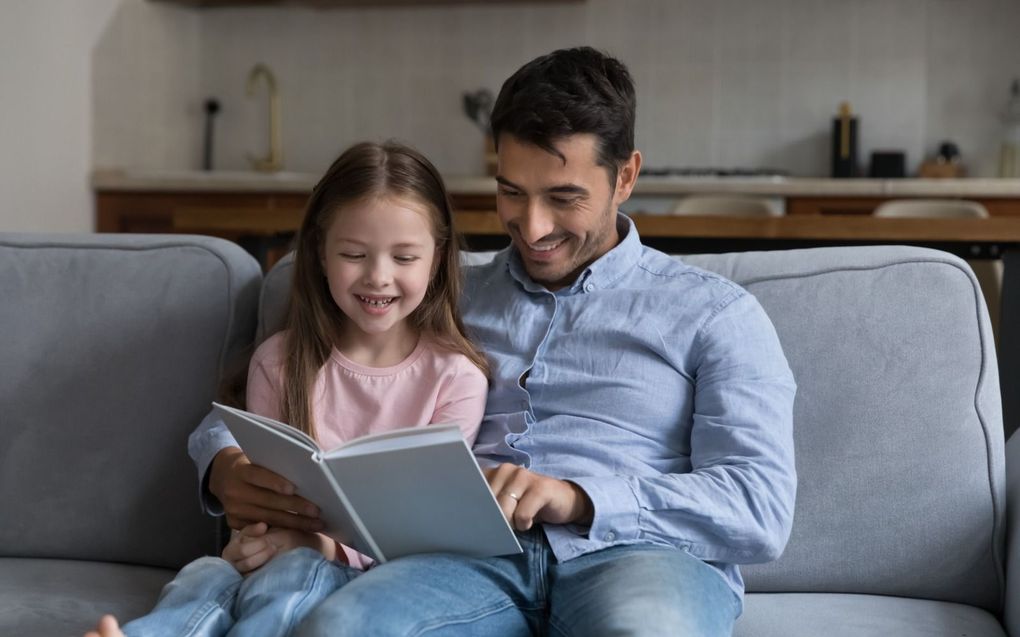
600,274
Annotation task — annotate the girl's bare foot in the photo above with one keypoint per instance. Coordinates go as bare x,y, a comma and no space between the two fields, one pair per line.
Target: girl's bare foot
107,627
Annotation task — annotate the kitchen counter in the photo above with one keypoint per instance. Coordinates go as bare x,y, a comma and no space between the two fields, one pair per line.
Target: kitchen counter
297,183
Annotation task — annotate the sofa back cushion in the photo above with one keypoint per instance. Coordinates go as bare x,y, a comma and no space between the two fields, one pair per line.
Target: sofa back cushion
111,350
898,424
898,428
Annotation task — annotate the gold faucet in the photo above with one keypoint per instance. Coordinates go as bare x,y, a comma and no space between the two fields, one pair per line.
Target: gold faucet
274,160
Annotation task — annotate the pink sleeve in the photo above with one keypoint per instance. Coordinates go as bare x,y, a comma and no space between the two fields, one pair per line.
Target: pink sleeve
462,400
265,381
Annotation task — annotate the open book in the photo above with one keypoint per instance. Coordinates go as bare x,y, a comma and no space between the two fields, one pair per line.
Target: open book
415,490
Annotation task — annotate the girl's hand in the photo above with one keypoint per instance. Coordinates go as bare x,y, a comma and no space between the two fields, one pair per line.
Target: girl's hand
256,544
249,548
527,497
286,539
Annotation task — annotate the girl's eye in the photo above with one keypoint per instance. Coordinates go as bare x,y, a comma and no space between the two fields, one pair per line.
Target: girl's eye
405,258
351,256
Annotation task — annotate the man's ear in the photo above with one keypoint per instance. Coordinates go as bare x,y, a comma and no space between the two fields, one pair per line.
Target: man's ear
626,177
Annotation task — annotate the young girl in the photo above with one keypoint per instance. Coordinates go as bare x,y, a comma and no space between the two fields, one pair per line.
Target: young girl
373,341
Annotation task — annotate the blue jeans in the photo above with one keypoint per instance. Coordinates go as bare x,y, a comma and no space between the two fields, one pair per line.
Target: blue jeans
624,590
210,598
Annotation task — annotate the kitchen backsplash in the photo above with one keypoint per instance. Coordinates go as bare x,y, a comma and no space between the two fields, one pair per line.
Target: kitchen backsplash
735,83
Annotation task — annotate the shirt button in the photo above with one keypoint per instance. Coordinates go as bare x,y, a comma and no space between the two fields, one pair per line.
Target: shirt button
609,537
588,287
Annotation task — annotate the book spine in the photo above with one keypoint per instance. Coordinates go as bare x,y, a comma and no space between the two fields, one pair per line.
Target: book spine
372,549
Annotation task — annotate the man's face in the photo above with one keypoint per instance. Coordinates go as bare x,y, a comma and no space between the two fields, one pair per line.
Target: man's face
560,215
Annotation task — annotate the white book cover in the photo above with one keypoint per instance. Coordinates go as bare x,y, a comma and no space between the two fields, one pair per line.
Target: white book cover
402,492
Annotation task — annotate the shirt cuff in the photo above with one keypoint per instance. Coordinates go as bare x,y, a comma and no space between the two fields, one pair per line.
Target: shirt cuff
211,437
616,509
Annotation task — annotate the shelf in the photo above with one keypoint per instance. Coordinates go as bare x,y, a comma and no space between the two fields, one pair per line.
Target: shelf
338,4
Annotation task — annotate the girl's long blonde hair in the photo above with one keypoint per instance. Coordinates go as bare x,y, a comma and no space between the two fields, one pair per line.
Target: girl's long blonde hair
314,321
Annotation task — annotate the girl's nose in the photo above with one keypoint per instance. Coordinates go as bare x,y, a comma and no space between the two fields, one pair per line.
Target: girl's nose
378,275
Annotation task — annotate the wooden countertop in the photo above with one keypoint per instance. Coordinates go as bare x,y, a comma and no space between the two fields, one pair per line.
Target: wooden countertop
186,181
801,227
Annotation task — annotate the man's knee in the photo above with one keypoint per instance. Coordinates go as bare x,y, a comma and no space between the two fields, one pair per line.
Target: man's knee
348,613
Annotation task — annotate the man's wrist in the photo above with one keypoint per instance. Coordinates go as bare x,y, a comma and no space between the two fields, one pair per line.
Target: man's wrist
224,458
584,508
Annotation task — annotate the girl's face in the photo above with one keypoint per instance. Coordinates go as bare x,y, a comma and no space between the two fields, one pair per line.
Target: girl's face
377,257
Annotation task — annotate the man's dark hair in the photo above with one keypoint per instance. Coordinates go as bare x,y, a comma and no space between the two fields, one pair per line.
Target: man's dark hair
566,92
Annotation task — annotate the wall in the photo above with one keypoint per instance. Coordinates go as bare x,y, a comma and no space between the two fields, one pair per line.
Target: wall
146,74
45,127
724,83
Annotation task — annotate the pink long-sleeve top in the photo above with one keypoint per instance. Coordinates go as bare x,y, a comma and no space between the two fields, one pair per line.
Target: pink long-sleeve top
431,386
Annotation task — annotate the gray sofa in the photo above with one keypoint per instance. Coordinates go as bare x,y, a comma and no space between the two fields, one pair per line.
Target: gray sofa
110,347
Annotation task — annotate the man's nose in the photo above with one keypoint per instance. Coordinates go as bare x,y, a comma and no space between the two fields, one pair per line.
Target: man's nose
535,223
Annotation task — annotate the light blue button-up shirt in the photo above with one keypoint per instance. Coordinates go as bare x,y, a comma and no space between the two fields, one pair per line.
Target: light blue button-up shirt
659,388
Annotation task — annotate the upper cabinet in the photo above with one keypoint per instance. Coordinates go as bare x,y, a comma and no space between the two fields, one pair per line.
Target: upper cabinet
325,4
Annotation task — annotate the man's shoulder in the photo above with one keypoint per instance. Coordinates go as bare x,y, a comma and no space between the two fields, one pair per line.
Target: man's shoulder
661,270
484,269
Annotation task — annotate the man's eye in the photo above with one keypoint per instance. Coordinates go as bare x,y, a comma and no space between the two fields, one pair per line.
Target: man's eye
564,201
510,193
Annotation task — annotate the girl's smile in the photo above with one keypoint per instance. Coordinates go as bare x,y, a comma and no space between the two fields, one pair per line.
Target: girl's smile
376,304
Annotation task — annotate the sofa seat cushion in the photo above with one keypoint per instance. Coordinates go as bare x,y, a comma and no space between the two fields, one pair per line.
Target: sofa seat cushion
844,615
60,598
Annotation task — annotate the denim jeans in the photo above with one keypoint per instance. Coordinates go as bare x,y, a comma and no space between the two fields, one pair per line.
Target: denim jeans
623,590
210,598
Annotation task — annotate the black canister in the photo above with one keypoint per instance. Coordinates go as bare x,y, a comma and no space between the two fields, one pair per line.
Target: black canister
844,143
887,164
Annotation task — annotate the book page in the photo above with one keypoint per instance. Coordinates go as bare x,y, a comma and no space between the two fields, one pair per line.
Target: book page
278,427
427,497
406,438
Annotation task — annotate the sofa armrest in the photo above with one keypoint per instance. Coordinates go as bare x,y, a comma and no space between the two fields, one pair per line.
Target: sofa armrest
1011,614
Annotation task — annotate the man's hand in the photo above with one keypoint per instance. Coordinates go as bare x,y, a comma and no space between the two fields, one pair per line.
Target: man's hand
251,494
526,497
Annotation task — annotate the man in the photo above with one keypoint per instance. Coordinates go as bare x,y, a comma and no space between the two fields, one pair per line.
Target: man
639,421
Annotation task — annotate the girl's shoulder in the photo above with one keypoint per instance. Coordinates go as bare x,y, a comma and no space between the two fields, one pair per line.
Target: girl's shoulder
448,362
272,351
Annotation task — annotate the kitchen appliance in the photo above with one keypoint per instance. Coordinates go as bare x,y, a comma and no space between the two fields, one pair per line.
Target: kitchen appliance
946,164
1009,159
888,164
478,108
844,143
211,107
